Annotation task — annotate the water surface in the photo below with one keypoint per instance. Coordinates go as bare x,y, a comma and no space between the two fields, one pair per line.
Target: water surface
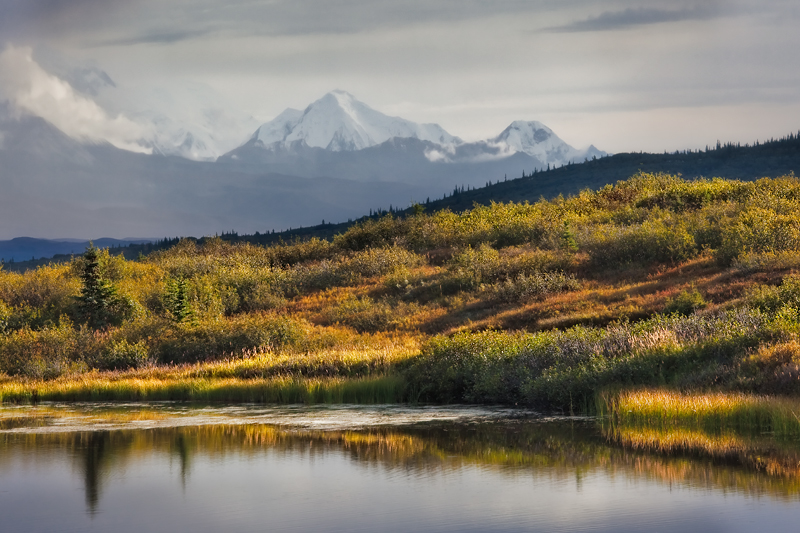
173,467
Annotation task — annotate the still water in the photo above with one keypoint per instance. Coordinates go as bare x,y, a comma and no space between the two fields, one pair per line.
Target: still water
169,467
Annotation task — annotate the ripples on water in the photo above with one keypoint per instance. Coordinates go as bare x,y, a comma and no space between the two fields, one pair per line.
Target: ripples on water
173,467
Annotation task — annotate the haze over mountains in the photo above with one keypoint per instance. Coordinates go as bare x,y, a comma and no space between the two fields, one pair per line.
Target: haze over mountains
334,160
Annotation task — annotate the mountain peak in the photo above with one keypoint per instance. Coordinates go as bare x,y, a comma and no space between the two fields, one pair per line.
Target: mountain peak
537,140
340,122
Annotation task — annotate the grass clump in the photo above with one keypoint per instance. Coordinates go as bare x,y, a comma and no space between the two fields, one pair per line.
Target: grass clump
712,411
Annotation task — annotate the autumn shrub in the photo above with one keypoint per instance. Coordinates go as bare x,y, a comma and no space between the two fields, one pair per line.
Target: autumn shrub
758,231
380,261
660,240
535,285
39,297
368,315
217,339
45,353
313,249
121,355
371,233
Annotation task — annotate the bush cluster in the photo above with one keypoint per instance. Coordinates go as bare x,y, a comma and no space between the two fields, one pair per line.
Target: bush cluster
554,369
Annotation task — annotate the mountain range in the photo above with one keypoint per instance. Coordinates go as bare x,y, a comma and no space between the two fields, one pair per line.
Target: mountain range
335,160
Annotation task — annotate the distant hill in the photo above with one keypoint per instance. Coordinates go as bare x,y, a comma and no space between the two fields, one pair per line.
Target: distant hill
25,248
745,162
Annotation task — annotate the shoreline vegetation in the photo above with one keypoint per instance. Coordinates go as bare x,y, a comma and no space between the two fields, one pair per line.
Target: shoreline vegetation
632,301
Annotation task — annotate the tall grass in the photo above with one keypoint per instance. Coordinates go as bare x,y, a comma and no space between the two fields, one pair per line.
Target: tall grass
280,390
715,411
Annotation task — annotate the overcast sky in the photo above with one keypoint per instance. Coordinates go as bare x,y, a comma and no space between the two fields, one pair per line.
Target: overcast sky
623,75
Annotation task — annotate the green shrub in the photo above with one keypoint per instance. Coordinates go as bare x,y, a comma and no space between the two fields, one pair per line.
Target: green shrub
658,240
686,302
559,369
757,231
210,340
121,355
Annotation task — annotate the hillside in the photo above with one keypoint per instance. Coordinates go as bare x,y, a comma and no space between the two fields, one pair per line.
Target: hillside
656,281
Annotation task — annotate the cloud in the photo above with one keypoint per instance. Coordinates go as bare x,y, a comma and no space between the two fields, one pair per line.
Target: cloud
631,17
167,36
31,89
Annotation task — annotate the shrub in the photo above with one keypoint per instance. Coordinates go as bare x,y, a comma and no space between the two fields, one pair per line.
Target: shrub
209,340
313,249
685,303
38,297
535,285
556,369
121,355
379,261
370,234
771,299
43,354
658,240
757,231
367,315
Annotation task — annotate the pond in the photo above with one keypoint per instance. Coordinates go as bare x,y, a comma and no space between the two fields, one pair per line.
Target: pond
176,468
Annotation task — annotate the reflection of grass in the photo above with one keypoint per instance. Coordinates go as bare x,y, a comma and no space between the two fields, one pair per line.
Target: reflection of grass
546,450
758,454
715,411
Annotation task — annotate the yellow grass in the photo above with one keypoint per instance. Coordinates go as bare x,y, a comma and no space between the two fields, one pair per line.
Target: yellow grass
716,410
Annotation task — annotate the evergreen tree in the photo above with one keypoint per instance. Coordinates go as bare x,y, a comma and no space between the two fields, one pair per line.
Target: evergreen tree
176,300
98,297
568,239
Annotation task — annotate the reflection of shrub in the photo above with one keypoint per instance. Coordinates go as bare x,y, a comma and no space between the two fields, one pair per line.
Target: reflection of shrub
685,303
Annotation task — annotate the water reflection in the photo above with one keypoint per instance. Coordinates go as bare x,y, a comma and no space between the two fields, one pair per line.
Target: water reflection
578,454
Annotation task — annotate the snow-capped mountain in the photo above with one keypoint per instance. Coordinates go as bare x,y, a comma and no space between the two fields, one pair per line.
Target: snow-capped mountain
338,122
539,141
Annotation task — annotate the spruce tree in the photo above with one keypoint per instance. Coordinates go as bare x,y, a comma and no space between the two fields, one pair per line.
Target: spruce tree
98,296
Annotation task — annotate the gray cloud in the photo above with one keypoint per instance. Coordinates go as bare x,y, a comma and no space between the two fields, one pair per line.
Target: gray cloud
130,22
631,17
166,36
